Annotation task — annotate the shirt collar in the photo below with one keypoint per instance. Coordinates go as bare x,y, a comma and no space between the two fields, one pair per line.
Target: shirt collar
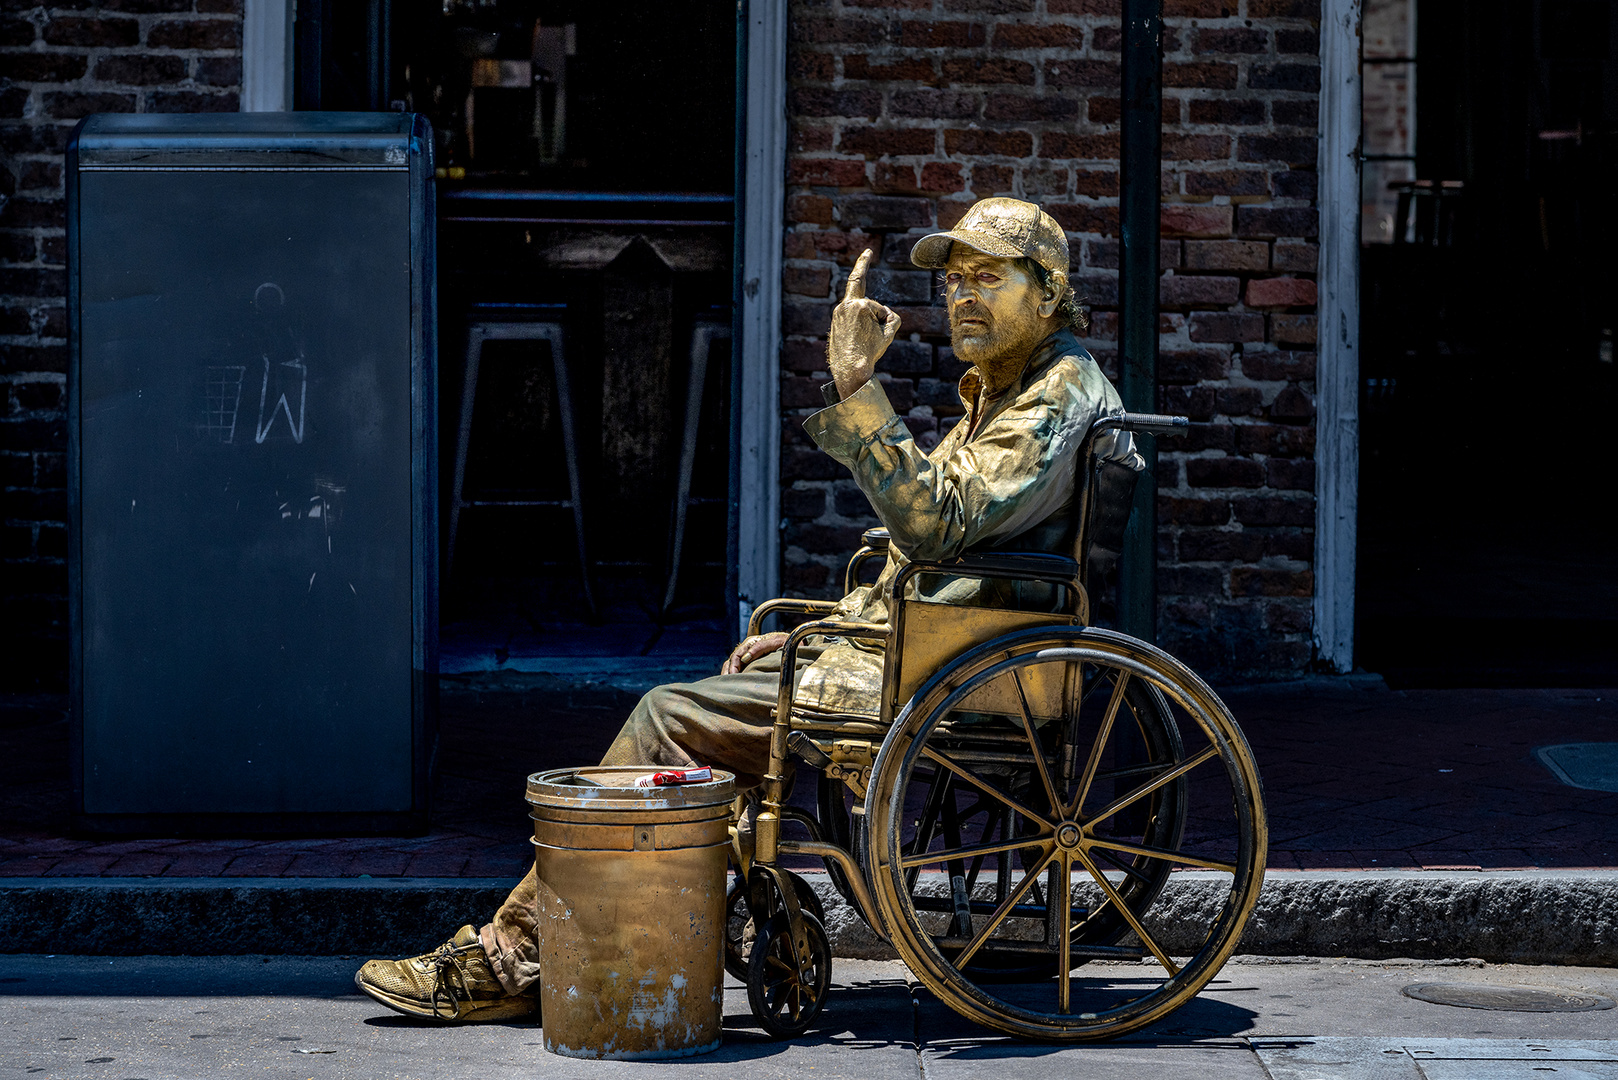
1060,343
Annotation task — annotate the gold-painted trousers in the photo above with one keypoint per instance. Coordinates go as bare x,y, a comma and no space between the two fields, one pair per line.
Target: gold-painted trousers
722,721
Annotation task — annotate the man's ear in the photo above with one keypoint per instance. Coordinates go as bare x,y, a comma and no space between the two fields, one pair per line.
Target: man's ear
1053,294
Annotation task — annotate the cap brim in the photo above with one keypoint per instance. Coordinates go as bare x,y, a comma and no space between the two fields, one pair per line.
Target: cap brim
932,252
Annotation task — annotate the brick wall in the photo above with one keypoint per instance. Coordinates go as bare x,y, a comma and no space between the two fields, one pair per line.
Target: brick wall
904,111
59,63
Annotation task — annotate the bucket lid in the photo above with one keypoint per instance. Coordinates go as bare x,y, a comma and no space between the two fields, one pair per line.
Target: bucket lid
612,787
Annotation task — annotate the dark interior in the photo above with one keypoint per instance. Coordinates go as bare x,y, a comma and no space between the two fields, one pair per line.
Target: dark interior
1486,556
586,171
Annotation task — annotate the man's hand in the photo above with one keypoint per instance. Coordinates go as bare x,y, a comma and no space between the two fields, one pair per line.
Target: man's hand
752,649
861,331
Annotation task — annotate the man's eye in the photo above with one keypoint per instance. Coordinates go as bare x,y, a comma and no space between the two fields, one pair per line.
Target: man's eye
952,279
987,279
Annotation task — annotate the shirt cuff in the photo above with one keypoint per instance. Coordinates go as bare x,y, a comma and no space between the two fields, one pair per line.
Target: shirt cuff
854,421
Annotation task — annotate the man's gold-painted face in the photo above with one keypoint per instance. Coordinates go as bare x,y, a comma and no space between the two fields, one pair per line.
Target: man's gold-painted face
995,316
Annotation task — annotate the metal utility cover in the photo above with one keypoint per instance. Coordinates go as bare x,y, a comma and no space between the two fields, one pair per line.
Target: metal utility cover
1535,999
1589,765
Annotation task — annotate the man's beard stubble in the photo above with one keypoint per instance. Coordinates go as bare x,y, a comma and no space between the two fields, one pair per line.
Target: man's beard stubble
1003,351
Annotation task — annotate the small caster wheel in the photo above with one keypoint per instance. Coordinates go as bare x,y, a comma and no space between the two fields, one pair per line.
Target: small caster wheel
741,929
784,1002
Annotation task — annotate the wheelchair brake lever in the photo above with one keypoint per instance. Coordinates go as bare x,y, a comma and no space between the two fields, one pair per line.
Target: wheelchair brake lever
804,747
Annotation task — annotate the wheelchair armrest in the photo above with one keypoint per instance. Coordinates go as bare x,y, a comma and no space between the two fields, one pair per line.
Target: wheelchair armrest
1024,565
787,603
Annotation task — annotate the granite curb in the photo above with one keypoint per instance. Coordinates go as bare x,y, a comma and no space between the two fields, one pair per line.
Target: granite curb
1528,916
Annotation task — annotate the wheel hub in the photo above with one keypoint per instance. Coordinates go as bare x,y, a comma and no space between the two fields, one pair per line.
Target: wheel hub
1068,835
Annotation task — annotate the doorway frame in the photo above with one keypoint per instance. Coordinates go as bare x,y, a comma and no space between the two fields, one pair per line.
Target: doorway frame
1337,371
761,223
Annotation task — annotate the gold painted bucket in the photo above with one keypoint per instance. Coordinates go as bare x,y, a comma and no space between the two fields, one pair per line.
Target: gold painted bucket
631,911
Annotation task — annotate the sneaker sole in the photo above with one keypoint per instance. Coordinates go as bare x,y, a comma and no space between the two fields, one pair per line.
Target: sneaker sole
472,1013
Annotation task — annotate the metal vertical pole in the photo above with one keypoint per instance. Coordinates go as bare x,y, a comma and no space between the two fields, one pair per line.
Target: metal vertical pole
1140,173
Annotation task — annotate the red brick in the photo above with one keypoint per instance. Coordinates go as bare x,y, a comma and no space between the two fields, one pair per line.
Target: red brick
825,172
803,356
1292,403
1267,581
814,67
219,71
1195,219
1241,112
1294,150
73,106
936,104
1225,472
1222,545
1302,77
1103,110
1238,400
1181,290
1205,75
845,30
44,67
992,179
941,35
806,280
1304,114
15,32
1177,147
1292,329
1277,221
1231,40
1098,183
901,69
810,140
1274,509
988,70
1086,218
1084,7
973,142
886,212
1245,182
92,32
1063,144
1083,73
820,102
1283,9
1199,9
196,34
809,209
1279,365
1037,36
1227,255
1298,41
990,7
1226,326
140,70
1281,292
1192,365
1300,258
1285,440
941,176
1029,108
876,142
891,178
1285,474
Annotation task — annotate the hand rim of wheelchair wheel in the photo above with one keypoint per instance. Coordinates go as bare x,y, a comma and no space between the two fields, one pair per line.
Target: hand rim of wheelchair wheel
895,769
773,980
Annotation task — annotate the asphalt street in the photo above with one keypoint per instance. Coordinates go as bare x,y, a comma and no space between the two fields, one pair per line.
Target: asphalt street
157,1018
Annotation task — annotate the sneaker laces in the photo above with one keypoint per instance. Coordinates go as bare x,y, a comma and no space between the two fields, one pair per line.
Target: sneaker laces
447,970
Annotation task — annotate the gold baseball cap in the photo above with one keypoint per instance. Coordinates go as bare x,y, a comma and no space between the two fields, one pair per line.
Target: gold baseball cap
1005,228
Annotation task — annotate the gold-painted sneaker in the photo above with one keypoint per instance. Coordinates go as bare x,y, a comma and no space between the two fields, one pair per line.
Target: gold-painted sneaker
453,983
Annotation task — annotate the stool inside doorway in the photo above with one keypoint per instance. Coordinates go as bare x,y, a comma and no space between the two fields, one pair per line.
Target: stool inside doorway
520,322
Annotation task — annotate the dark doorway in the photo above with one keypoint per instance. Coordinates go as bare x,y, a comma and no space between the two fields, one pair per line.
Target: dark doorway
586,177
1488,275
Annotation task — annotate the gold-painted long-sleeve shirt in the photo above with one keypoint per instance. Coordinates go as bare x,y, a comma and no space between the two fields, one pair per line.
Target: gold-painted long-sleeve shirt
1006,477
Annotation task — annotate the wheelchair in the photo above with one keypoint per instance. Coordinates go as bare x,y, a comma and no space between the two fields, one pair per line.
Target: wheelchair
1008,813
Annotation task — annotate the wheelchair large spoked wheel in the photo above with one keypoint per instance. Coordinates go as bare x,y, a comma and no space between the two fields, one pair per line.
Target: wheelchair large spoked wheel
1032,813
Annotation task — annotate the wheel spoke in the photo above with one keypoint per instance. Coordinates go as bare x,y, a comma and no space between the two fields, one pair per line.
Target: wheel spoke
1064,935
1129,916
1132,871
1165,854
1090,766
1038,751
988,789
927,858
999,914
1163,778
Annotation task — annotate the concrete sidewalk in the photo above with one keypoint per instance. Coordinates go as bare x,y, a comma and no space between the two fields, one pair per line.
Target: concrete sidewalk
295,1018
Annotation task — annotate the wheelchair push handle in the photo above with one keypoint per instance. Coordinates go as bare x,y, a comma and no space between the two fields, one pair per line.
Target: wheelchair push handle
1150,423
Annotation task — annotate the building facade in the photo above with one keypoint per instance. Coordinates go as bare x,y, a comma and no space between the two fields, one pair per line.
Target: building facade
897,115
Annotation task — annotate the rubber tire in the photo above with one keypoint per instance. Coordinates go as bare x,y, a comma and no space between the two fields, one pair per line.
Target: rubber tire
771,940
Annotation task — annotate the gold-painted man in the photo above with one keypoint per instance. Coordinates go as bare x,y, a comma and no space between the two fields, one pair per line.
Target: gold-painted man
1004,477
